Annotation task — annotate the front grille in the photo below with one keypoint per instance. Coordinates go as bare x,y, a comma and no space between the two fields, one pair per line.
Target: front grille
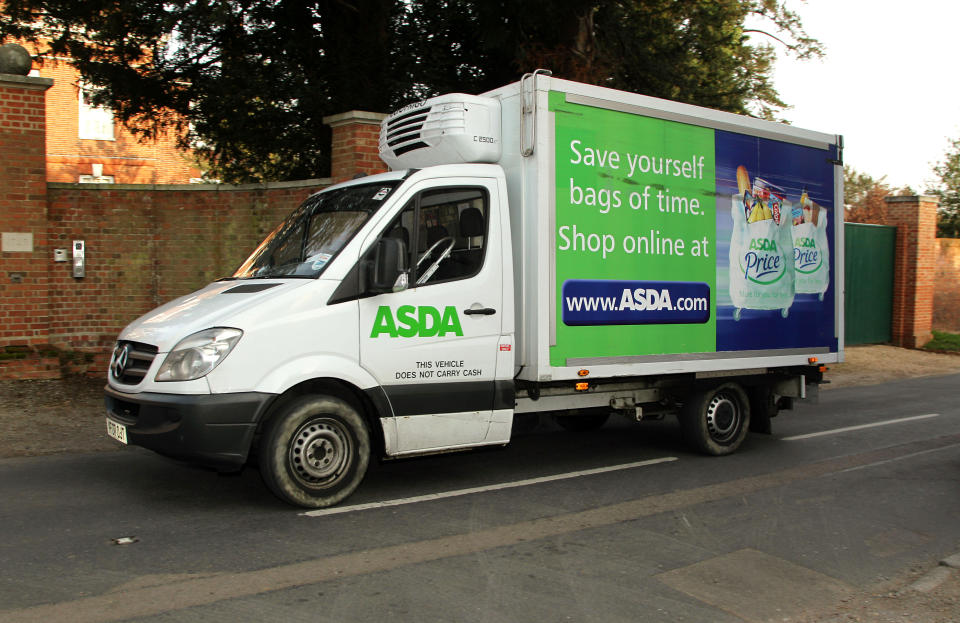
135,363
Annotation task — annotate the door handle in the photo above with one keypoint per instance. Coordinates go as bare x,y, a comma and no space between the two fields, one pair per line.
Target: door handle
483,311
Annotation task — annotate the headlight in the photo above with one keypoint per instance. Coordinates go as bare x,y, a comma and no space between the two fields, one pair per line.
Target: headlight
196,356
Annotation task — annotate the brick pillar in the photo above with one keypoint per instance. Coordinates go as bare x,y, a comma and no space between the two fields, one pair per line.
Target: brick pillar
914,268
25,255
354,146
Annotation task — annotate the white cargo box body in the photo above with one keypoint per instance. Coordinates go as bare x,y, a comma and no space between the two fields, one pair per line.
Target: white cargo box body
652,237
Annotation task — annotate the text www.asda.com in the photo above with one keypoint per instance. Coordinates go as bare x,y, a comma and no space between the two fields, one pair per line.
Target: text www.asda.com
637,300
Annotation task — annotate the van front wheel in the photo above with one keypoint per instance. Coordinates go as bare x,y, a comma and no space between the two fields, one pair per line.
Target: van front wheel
315,451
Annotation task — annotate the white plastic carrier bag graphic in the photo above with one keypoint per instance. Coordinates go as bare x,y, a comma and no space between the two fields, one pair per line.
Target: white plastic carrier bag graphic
761,247
811,255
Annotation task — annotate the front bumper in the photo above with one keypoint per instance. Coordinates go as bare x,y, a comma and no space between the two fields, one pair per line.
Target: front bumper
210,429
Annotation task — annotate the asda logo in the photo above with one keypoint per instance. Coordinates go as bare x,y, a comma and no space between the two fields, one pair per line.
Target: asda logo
413,321
762,263
763,244
806,256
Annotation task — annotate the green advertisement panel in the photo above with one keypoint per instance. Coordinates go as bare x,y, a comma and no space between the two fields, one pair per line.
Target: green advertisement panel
636,263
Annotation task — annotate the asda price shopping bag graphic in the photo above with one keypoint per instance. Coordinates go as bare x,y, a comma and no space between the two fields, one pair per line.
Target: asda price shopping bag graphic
761,247
659,248
811,248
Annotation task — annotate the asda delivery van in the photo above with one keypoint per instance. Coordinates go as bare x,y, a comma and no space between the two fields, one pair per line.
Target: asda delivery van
545,248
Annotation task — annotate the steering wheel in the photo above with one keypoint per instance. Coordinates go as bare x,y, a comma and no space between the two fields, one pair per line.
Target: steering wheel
446,240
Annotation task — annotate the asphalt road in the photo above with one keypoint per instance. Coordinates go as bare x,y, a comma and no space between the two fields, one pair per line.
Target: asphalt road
632,527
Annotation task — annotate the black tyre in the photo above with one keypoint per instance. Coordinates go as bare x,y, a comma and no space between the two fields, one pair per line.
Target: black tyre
716,421
315,451
582,423
763,408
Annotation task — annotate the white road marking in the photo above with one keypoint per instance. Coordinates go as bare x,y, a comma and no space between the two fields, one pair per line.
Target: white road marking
899,458
845,429
322,512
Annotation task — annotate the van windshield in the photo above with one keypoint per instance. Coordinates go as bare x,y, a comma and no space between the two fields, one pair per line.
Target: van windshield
304,244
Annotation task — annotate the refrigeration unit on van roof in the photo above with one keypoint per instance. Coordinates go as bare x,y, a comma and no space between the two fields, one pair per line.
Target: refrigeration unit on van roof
442,130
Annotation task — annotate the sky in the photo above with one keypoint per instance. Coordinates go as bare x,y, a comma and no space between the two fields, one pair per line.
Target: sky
888,83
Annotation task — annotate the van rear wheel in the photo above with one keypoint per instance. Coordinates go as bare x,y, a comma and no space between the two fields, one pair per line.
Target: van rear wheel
715,421
315,451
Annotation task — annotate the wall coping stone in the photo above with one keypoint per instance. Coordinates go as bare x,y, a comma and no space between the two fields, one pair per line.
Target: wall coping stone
909,198
320,181
26,82
354,116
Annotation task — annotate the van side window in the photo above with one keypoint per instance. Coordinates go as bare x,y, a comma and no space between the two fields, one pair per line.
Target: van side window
452,221
445,231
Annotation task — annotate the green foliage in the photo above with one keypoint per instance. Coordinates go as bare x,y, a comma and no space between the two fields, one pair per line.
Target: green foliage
948,191
863,197
856,185
944,341
246,83
695,51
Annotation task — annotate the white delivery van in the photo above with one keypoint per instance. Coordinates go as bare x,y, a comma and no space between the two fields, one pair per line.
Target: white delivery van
547,247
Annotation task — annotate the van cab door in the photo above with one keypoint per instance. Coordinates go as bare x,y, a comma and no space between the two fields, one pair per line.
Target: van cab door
434,346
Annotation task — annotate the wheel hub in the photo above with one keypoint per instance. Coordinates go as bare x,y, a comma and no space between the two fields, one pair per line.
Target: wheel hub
320,452
723,418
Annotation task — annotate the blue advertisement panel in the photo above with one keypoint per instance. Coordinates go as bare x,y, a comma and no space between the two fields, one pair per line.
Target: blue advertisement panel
775,227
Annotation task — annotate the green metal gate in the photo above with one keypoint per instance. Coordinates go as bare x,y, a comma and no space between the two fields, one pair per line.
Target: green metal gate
868,276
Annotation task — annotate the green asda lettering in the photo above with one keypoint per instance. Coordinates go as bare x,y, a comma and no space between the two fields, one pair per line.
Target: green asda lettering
763,244
413,321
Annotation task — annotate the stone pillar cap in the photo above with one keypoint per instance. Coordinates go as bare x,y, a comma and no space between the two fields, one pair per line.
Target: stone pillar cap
909,198
354,116
27,82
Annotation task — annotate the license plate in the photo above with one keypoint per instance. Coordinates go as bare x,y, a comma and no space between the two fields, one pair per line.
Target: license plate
117,431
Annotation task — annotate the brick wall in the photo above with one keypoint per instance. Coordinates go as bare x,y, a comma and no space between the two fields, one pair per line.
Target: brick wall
946,294
146,245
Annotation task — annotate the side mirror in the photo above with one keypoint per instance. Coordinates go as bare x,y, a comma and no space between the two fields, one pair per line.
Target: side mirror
388,272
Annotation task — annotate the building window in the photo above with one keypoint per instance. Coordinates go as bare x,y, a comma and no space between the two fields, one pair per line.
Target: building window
96,122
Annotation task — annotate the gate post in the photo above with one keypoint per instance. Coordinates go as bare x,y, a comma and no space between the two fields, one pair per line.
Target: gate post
915,265
355,144
25,253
